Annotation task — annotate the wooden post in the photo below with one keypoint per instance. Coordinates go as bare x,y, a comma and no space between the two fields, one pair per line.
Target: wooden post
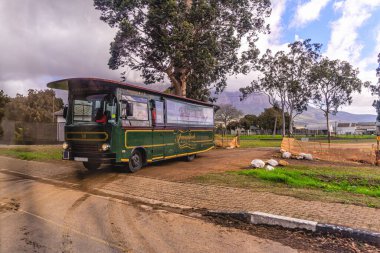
377,162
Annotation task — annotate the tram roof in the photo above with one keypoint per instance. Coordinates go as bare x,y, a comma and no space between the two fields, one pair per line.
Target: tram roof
64,85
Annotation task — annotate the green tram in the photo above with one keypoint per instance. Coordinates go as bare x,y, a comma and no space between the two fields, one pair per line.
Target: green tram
110,122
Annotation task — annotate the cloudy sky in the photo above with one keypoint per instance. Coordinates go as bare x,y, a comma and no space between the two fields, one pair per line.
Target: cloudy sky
45,40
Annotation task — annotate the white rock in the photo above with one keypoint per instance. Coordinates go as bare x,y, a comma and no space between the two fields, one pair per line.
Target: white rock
268,167
286,155
195,215
299,157
308,157
257,163
272,162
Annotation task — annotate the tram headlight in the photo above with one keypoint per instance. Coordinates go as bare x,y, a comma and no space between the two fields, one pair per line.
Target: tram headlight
105,146
65,145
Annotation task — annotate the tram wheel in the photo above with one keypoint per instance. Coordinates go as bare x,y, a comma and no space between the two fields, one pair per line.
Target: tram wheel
135,161
190,158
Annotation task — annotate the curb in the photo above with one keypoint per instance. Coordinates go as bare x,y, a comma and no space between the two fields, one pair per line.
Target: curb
294,223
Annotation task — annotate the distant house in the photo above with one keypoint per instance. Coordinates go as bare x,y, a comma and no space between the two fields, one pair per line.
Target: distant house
346,128
319,128
366,128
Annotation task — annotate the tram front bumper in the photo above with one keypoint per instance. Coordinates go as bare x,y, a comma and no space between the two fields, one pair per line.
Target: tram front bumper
104,158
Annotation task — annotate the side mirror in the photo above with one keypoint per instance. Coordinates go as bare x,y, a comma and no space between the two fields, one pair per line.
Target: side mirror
126,109
65,108
129,109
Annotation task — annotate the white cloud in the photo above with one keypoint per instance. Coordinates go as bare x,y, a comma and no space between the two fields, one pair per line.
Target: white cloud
344,42
272,40
345,45
308,12
338,5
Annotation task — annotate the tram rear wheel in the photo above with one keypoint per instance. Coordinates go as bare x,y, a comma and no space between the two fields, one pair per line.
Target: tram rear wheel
190,158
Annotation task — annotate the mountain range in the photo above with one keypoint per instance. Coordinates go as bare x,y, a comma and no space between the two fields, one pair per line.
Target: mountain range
256,103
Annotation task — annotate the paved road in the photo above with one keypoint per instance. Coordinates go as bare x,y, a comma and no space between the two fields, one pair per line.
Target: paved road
39,217
200,196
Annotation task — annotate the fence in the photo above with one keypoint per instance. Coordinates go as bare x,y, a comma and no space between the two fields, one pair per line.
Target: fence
31,133
225,141
336,152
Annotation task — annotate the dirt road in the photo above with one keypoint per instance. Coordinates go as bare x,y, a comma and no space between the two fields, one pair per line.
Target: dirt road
217,160
39,217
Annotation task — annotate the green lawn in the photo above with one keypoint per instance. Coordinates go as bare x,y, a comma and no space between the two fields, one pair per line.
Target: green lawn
259,137
259,143
320,180
311,138
38,153
355,185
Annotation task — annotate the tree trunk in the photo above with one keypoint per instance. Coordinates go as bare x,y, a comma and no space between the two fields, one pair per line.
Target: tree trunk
283,122
328,128
178,78
183,85
291,124
178,86
275,126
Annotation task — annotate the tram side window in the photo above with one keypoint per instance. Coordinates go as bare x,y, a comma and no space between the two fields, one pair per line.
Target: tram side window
160,112
182,113
134,111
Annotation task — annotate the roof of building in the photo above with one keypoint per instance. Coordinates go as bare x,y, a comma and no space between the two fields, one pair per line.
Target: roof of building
366,124
346,125
320,127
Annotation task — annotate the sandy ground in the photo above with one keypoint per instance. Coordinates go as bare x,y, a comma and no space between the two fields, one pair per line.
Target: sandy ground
217,160
37,217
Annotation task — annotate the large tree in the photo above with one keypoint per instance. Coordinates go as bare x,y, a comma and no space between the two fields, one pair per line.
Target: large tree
334,83
227,113
375,90
195,44
37,106
300,60
247,121
271,81
270,119
284,78
4,99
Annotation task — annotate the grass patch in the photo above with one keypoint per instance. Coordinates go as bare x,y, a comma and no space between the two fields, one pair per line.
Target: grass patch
326,181
259,143
350,185
38,153
316,137
261,137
